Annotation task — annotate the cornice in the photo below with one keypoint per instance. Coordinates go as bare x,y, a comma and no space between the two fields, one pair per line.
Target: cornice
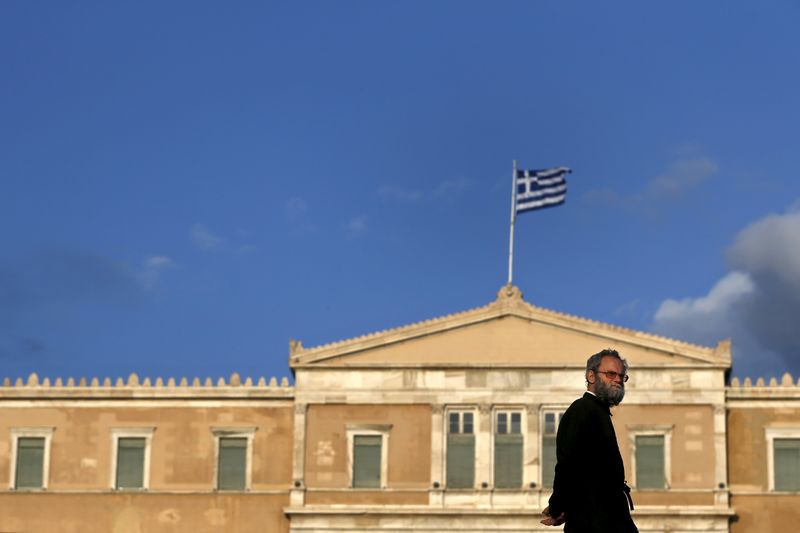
509,302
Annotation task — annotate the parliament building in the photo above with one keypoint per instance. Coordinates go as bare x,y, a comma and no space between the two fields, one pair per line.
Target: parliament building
443,425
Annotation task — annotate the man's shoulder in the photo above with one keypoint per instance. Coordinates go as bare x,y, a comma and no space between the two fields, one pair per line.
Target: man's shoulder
585,403
585,399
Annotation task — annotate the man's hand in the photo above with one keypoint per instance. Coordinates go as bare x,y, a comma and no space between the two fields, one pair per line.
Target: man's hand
551,521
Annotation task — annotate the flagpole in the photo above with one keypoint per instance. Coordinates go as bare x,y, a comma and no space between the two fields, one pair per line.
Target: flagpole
513,218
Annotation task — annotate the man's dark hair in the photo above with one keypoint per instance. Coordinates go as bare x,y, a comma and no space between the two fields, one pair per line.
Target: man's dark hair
593,363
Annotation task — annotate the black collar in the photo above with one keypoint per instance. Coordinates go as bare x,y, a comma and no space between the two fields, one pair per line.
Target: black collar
604,406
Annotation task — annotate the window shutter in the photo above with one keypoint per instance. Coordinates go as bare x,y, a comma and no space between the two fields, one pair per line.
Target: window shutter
130,462
548,460
650,462
367,461
232,467
787,464
502,423
30,463
508,461
455,423
551,421
460,461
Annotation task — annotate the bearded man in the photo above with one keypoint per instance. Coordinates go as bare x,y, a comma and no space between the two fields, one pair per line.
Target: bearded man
589,490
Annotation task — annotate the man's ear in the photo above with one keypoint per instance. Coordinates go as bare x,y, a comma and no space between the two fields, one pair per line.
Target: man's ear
590,372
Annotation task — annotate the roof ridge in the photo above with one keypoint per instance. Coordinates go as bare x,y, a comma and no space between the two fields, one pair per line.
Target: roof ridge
508,298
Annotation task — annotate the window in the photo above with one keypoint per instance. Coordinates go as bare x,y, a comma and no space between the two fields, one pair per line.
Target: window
650,451
460,449
367,461
30,458
130,462
367,446
232,463
783,454
131,458
234,450
550,421
787,464
508,449
650,462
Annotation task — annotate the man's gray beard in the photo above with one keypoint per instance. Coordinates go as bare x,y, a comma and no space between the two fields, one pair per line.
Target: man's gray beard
608,394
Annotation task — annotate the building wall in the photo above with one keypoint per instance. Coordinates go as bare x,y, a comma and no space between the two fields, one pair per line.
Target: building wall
156,512
181,494
693,456
765,513
182,451
300,471
408,458
752,411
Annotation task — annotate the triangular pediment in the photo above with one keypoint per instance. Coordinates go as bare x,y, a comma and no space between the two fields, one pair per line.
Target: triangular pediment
507,332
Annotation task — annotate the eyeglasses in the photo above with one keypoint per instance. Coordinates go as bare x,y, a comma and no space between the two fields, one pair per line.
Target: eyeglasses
613,375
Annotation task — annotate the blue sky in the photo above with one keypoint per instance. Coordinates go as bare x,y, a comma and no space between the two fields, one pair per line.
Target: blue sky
188,185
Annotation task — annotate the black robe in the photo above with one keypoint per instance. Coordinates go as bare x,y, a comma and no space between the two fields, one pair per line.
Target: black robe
589,484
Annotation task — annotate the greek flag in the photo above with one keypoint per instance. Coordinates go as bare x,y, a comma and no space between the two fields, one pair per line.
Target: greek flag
537,189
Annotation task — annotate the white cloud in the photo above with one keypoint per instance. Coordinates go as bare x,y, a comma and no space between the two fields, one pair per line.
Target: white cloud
158,261
152,267
706,309
757,303
247,249
297,216
681,177
391,192
450,187
631,308
770,247
296,207
204,239
357,226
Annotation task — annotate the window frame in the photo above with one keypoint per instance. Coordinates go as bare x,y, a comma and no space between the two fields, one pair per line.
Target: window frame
30,432
770,435
368,430
132,433
472,409
234,433
651,430
523,431
544,410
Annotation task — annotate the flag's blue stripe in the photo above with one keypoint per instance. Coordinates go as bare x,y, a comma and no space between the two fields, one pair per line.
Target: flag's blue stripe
544,173
541,198
541,182
546,186
538,189
537,192
541,204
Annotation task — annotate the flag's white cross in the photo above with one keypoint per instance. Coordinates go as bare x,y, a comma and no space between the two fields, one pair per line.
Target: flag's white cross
540,188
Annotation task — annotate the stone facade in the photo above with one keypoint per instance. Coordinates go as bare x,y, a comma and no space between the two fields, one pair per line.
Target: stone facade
400,388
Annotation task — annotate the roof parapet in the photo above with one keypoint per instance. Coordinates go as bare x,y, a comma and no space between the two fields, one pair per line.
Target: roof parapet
134,383
786,381
785,389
